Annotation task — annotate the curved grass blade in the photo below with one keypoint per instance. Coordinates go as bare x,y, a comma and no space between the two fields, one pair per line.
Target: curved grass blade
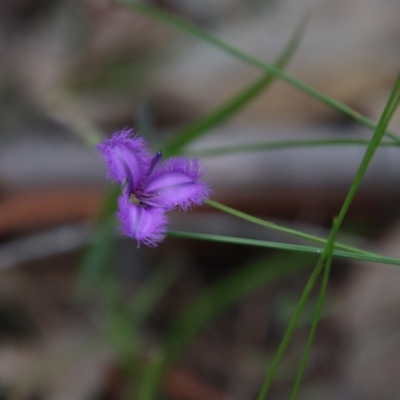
231,107
206,37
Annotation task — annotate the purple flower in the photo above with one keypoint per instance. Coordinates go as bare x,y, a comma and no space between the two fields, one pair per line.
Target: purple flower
150,186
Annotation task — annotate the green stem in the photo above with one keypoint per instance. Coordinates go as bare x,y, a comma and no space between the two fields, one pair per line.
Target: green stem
371,257
388,112
281,144
280,228
288,335
313,329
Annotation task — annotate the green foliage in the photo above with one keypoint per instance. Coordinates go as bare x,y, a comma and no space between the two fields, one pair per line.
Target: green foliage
127,320
234,105
327,255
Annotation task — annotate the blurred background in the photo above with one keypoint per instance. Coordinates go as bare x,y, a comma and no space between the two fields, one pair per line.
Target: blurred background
84,313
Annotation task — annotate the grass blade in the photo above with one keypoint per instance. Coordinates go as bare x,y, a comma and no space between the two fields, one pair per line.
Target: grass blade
314,325
371,257
206,37
221,114
388,112
288,336
281,145
280,228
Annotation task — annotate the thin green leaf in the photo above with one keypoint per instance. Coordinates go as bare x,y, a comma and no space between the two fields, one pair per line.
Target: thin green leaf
314,325
287,336
280,145
280,228
206,37
232,106
383,123
371,257
388,112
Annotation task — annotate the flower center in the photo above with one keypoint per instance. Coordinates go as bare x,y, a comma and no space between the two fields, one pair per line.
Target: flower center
134,200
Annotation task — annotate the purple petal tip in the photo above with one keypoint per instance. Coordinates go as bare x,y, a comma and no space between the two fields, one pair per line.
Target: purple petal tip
144,225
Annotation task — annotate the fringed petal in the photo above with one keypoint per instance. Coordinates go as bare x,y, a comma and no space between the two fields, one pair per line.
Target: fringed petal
144,225
176,183
126,157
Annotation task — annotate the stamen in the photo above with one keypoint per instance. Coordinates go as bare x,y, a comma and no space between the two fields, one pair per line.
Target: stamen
155,160
134,200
